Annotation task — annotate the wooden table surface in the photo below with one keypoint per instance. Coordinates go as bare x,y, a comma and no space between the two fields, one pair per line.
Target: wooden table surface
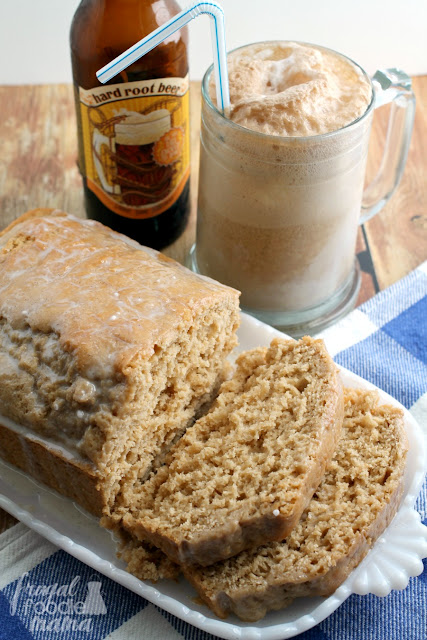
38,169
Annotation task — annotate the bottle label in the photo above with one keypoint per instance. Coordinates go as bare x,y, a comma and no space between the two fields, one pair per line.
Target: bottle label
136,144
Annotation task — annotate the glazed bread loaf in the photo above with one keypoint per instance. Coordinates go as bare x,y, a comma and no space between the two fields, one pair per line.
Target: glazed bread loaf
356,500
243,474
108,350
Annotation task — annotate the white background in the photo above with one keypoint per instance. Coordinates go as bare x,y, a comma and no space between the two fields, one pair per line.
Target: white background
376,33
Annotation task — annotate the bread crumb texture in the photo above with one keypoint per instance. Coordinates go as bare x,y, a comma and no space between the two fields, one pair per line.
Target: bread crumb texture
244,472
145,561
356,500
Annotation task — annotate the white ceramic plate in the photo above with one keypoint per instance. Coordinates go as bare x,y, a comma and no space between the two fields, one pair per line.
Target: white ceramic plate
394,559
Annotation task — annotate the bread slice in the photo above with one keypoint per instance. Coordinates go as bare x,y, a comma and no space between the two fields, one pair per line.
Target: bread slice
107,349
356,500
244,473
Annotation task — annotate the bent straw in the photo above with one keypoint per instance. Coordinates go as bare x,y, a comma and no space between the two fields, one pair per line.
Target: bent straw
214,10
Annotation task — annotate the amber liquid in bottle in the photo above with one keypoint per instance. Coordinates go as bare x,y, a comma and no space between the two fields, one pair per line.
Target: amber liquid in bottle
136,185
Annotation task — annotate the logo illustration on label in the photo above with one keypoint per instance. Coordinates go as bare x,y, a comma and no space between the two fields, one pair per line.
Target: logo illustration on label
136,149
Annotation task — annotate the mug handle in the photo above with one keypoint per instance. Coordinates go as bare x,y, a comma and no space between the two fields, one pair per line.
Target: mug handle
390,85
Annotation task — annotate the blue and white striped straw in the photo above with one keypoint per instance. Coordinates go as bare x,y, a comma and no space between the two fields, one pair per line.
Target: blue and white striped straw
216,13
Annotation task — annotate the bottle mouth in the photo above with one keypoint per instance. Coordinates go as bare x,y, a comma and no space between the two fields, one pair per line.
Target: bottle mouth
273,137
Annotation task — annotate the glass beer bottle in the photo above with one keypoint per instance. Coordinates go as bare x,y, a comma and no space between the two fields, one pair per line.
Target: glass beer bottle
133,133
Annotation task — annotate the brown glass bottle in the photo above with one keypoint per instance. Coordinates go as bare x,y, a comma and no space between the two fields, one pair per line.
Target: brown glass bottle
137,185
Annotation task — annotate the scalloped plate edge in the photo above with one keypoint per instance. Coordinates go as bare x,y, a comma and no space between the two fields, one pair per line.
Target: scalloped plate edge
255,333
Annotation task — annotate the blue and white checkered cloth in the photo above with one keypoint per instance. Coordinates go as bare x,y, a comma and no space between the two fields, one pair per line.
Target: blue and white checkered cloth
385,342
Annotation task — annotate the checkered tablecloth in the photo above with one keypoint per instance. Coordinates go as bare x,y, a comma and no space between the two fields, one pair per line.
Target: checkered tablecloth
385,342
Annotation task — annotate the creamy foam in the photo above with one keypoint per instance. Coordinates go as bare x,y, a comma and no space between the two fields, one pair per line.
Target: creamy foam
290,89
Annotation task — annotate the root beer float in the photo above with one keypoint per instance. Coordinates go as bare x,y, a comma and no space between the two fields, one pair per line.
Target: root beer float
281,184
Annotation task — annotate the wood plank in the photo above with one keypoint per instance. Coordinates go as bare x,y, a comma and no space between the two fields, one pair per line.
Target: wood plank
38,161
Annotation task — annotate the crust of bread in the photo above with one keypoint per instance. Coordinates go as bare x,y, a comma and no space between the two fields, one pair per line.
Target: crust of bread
32,213
187,292
74,479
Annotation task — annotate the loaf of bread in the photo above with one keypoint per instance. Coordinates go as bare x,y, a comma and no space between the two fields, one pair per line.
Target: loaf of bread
108,351
356,500
244,473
